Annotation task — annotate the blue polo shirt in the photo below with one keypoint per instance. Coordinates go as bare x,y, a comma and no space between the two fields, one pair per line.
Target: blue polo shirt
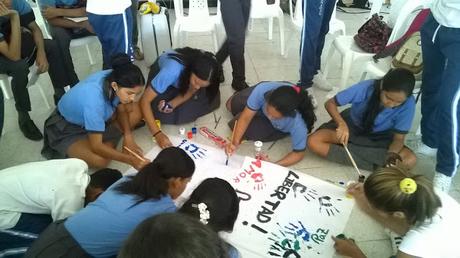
62,3
86,105
398,119
170,71
101,227
295,126
26,15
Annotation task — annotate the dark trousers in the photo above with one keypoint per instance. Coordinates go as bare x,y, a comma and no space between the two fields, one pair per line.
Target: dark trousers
15,241
114,33
134,11
441,93
235,15
317,15
2,112
63,36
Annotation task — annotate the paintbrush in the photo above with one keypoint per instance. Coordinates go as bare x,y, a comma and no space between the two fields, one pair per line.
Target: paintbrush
360,176
133,153
231,140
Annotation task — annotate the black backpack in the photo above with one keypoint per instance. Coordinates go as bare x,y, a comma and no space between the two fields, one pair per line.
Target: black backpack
362,4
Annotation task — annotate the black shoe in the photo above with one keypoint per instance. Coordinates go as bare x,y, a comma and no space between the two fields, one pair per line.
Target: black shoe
30,130
239,86
221,75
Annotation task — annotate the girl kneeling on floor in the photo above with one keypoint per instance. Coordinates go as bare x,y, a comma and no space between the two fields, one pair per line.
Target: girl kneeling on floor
375,125
183,84
100,229
406,204
270,111
93,115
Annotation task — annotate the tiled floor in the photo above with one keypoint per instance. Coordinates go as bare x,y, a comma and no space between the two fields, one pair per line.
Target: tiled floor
263,62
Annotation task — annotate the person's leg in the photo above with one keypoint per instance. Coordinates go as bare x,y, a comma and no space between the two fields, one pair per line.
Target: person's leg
57,70
320,141
2,112
329,6
81,149
135,115
433,67
63,36
235,14
313,13
138,55
447,116
114,33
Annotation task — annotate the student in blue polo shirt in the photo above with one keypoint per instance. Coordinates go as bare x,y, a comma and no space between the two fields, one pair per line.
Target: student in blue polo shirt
374,127
270,111
100,229
93,115
183,85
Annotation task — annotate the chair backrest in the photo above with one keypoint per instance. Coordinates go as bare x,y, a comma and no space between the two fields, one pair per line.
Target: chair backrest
198,8
404,18
40,19
296,14
261,9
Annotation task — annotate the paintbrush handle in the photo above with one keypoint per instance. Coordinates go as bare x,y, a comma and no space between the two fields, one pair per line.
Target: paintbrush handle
352,160
133,153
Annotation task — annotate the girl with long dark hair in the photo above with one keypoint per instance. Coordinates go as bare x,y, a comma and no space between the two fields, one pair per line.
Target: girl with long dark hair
270,111
375,125
183,84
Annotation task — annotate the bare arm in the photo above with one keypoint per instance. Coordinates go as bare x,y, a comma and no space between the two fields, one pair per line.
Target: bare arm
291,158
98,147
53,12
243,123
66,23
12,49
398,143
342,127
38,37
180,99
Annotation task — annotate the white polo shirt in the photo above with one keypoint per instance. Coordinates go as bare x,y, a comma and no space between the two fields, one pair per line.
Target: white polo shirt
436,238
55,187
447,12
107,7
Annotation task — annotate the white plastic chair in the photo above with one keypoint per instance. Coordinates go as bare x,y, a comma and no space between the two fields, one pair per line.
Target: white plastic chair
335,25
261,10
376,7
352,53
84,41
197,20
33,78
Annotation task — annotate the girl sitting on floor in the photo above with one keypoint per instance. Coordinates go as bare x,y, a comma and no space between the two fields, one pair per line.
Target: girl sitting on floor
100,229
407,205
215,203
93,115
270,111
182,85
375,125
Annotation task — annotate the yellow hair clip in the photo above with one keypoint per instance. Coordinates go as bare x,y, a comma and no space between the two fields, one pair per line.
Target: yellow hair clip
408,185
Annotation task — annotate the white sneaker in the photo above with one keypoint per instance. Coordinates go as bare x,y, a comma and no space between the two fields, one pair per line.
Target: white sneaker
395,240
426,150
313,99
442,182
320,82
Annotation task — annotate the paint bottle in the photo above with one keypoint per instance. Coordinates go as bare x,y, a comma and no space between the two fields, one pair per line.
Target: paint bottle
189,135
158,123
194,130
182,131
258,149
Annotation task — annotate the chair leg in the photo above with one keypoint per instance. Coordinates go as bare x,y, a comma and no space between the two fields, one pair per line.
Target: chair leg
363,75
4,84
270,28
281,25
330,55
347,61
45,99
90,56
176,36
215,41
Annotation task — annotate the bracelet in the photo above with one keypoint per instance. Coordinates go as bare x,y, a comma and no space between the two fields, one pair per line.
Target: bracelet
155,134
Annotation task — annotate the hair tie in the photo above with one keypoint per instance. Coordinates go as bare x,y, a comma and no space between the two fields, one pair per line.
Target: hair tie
296,88
408,185
204,212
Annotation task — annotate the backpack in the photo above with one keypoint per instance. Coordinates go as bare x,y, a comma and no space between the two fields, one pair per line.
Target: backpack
362,4
373,36
409,55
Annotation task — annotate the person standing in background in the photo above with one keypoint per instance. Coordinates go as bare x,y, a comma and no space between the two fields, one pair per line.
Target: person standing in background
235,15
441,89
317,15
113,23
138,55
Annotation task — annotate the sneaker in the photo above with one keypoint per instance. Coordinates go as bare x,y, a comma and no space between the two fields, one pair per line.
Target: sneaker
320,82
313,99
30,130
221,75
239,86
426,150
395,240
441,182
138,55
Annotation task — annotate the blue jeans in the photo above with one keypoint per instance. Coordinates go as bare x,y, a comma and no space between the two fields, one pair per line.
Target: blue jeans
15,241
441,93
115,32
317,14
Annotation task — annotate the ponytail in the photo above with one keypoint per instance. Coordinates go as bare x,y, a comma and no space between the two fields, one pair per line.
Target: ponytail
124,73
287,99
151,182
